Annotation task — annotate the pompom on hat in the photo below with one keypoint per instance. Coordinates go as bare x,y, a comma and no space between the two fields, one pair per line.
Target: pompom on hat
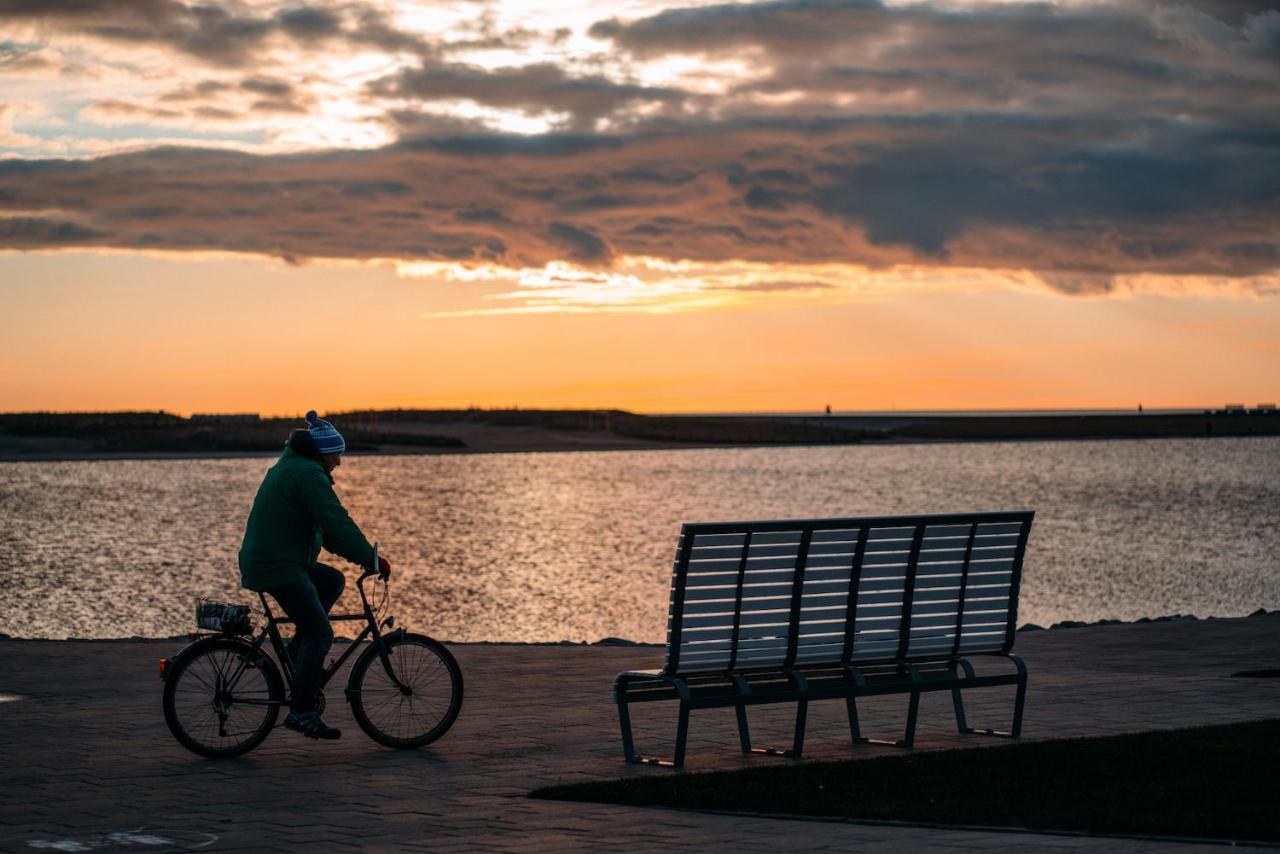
328,440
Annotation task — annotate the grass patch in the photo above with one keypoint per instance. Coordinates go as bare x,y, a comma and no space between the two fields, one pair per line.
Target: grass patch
1215,782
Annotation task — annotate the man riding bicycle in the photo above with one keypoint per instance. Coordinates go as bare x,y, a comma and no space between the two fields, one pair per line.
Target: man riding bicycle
294,514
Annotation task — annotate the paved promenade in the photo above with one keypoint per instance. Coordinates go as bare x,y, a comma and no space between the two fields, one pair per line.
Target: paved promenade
88,764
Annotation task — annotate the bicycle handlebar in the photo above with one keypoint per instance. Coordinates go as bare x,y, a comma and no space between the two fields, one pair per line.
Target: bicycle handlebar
374,571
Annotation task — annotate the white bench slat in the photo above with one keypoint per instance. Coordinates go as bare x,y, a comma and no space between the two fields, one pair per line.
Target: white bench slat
701,540
957,573
824,573
827,535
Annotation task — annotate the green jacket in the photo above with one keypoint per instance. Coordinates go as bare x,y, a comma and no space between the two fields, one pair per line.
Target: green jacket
295,513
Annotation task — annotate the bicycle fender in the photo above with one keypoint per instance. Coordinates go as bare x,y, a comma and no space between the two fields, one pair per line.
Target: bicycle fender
350,690
168,665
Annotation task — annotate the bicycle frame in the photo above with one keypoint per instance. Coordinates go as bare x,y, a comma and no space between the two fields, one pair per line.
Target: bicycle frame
271,632
372,627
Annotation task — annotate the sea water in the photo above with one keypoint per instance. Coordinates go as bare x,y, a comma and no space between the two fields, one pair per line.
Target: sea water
579,546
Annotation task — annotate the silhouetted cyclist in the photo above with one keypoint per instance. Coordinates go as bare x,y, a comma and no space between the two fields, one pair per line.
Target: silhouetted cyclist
295,513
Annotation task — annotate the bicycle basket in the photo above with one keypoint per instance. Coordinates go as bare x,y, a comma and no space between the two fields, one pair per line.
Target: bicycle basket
227,619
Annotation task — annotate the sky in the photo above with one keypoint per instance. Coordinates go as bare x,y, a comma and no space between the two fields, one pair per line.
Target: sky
656,206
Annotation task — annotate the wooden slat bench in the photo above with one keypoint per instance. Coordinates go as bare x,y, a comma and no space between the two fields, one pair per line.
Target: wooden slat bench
805,610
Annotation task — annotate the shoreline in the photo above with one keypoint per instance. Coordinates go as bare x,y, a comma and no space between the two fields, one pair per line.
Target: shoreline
635,445
1063,625
157,436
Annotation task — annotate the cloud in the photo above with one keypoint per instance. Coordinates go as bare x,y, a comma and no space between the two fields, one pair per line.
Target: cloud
789,26
838,56
1085,142
26,60
993,193
579,244
775,287
536,88
29,232
227,33
374,189
268,87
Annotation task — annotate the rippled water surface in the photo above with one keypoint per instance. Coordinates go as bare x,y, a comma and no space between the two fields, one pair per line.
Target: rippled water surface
578,546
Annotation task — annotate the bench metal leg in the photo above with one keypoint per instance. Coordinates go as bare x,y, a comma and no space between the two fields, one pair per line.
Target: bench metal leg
1020,702
682,735
855,730
744,731
1015,731
913,711
802,716
957,701
628,744
624,720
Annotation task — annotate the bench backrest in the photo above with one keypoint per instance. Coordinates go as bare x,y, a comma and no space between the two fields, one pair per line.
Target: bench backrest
748,595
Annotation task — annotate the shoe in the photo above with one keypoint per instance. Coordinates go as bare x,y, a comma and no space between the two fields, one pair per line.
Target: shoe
310,725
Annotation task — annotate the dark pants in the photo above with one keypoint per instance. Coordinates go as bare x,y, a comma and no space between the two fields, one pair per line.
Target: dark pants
307,603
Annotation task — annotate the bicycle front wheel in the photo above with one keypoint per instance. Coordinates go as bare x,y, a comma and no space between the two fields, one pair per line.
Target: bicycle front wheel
419,709
222,698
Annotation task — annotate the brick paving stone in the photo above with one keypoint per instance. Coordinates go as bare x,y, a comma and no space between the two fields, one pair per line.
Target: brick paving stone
87,753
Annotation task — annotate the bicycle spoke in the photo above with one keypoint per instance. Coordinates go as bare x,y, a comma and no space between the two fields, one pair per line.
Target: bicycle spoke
408,716
222,701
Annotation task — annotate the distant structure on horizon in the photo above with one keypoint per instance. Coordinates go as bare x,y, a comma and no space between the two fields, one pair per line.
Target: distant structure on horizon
1241,409
227,418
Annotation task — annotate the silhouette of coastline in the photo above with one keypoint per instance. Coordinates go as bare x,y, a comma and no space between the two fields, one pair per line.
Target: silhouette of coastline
55,436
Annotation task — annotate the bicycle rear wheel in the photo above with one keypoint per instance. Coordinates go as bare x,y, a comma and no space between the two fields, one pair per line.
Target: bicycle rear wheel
222,698
429,702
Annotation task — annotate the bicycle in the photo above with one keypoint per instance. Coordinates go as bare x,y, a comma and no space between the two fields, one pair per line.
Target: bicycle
223,693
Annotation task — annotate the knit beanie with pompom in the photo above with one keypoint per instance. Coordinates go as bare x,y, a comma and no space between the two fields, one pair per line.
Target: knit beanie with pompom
328,440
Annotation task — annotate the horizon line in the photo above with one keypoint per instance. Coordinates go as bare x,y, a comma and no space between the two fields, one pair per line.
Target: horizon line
886,413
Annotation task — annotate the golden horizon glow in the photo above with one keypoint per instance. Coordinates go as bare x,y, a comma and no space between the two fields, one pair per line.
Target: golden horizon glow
88,331
655,205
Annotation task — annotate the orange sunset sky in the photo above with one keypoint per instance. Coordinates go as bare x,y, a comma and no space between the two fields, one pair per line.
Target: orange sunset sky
657,206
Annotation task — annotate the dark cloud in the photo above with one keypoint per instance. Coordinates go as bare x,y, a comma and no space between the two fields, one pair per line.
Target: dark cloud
795,26
115,108
1084,141
836,56
534,89
480,215
277,96
1079,282
486,32
267,86
306,22
374,189
227,33
132,111
29,232
987,192
581,245
216,114
203,89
